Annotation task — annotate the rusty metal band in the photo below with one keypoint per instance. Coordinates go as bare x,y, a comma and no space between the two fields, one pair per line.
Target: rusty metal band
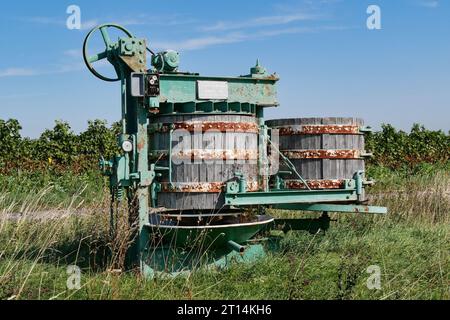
244,127
318,129
202,187
315,184
206,154
322,154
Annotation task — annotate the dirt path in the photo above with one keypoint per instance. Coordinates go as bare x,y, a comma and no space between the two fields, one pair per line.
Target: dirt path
46,215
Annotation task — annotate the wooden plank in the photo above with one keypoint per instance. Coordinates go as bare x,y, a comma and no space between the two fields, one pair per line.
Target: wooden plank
323,168
201,171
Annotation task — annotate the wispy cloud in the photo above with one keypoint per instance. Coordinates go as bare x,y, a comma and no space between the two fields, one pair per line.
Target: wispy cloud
219,33
144,19
69,67
43,20
259,22
200,42
160,20
73,53
89,24
72,63
137,20
236,37
17,72
57,21
23,95
429,3
253,28
50,70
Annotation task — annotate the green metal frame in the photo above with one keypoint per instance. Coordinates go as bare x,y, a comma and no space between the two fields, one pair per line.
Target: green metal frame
250,94
326,207
182,88
332,200
290,197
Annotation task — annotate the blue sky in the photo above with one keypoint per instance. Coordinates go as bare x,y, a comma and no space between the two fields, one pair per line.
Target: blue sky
330,64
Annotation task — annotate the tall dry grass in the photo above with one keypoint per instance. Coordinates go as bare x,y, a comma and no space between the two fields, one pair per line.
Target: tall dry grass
37,245
416,198
33,235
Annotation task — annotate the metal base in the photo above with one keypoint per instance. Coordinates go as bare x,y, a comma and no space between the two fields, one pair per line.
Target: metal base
181,243
205,233
174,261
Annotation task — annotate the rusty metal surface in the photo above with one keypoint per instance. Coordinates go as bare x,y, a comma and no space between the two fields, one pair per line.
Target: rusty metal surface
317,129
207,154
202,187
246,127
315,184
154,110
322,154
134,63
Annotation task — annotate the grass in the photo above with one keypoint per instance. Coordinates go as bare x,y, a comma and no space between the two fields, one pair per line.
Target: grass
51,189
411,246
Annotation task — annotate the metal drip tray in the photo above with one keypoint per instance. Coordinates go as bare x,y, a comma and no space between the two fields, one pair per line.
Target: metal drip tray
185,215
207,233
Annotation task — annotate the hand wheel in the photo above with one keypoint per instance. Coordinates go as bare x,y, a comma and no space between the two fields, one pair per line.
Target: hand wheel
105,54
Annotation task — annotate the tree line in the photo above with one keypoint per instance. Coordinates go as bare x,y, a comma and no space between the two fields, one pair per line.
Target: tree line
62,149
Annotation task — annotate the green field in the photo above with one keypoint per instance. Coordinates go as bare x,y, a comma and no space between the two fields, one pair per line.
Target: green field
49,220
